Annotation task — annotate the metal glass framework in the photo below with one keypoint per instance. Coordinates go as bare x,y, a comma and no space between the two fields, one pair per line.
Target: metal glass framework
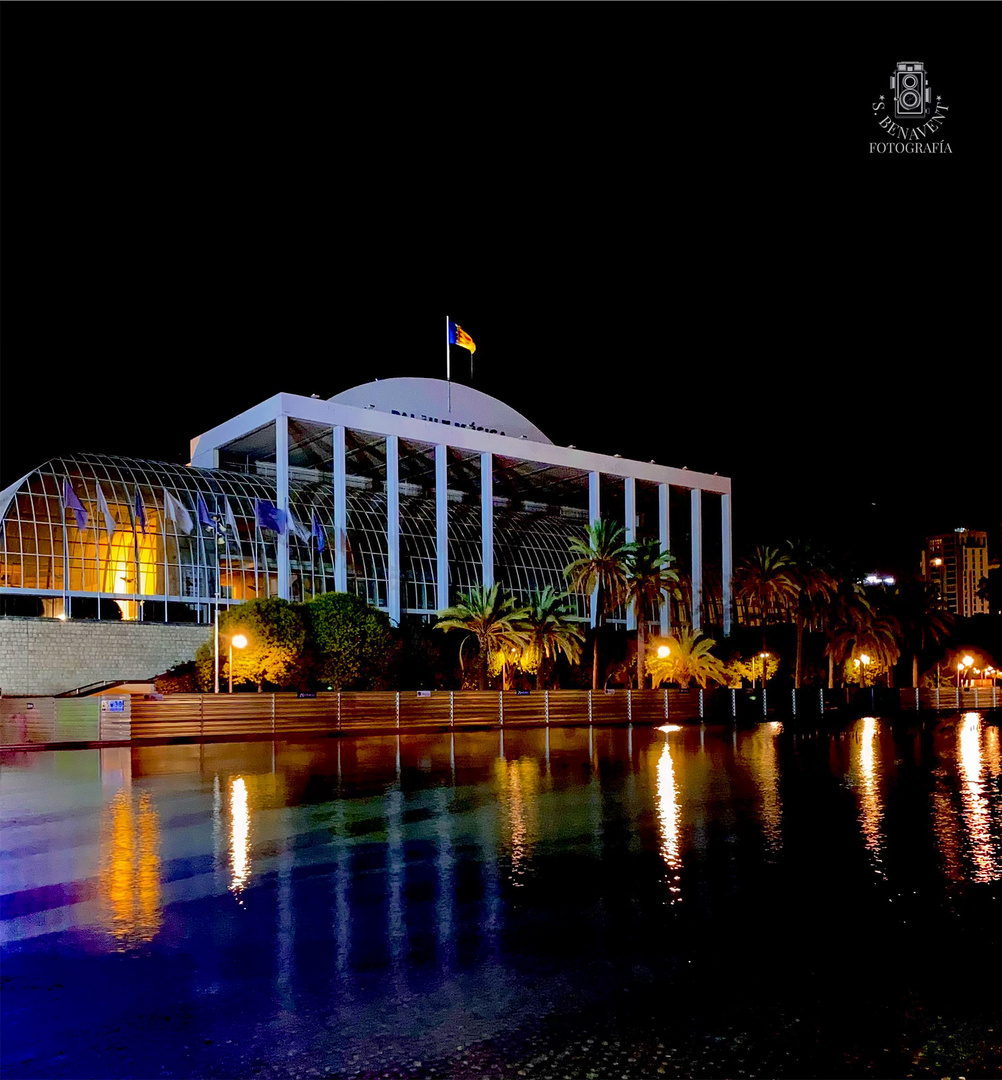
141,557
406,492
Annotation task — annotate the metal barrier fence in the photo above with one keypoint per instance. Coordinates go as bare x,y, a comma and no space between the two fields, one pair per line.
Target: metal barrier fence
951,699
208,715
46,721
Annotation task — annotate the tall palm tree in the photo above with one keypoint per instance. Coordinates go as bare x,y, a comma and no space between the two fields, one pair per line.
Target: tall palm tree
550,632
490,617
764,582
687,657
859,629
598,566
924,618
815,584
649,580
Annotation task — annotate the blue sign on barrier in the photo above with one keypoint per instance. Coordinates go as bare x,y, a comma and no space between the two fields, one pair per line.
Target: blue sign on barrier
306,694
116,706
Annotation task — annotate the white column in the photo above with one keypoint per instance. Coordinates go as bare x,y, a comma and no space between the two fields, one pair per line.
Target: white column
487,518
697,557
393,528
665,538
340,514
630,513
726,560
442,526
282,499
594,515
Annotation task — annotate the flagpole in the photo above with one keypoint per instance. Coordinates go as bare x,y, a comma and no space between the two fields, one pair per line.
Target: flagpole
135,556
66,560
448,366
97,551
163,533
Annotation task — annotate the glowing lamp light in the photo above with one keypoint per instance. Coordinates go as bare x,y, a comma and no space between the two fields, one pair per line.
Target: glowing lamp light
239,641
663,651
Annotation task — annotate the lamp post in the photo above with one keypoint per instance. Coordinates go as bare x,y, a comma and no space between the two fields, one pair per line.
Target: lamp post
764,656
236,641
962,666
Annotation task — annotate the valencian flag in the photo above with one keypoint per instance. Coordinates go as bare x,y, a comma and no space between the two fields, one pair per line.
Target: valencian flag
70,500
458,336
140,512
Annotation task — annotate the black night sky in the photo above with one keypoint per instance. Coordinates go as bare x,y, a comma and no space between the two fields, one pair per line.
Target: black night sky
661,224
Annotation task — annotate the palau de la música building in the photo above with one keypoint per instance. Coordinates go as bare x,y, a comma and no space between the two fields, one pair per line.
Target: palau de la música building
385,490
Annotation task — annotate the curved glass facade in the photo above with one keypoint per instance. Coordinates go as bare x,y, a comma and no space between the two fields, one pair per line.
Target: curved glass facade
134,548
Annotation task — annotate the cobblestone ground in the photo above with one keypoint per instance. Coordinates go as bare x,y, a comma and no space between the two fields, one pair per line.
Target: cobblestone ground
780,1045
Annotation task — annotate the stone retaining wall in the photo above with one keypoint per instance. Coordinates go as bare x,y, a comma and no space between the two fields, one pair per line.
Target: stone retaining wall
49,656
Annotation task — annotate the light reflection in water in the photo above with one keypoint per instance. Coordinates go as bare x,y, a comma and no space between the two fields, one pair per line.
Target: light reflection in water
668,817
974,799
519,791
130,870
870,809
240,855
761,750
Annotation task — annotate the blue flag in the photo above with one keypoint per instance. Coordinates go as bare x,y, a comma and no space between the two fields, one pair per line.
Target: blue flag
269,516
203,514
70,500
318,533
140,513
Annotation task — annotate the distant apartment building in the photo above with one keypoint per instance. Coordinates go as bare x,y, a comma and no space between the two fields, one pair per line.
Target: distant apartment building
957,562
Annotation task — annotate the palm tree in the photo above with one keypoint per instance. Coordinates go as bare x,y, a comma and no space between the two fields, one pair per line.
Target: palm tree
550,632
859,630
764,581
491,618
687,657
598,566
924,619
815,584
649,579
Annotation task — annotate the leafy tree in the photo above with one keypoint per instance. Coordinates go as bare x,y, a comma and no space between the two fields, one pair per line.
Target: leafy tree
814,582
687,657
924,619
351,644
764,582
276,635
180,679
490,618
649,579
550,633
599,566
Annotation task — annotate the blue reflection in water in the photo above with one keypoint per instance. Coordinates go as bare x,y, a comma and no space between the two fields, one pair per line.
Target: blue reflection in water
207,909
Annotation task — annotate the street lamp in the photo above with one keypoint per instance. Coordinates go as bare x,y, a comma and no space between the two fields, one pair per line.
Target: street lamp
237,641
764,657
862,663
962,666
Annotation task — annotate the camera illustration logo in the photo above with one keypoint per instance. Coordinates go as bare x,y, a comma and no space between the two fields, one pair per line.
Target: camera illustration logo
909,126
912,93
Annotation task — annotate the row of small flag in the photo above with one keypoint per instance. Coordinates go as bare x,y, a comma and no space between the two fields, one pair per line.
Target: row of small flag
267,515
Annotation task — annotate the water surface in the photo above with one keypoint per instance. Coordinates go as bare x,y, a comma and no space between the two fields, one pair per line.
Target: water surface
695,901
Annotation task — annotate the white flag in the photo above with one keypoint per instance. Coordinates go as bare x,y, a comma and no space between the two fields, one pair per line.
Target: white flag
231,521
110,525
297,530
175,512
